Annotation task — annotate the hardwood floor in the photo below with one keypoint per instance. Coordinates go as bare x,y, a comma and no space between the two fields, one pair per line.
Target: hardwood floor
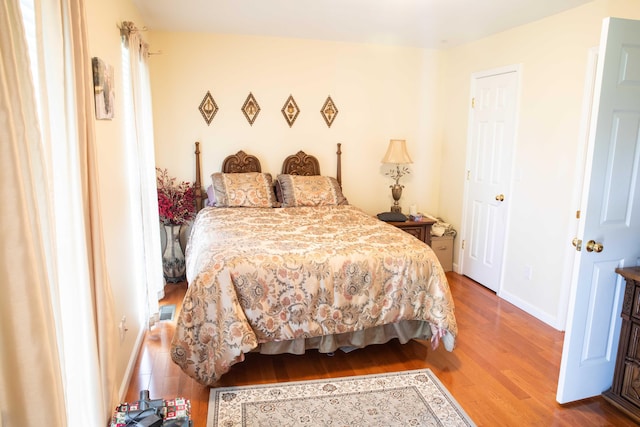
503,372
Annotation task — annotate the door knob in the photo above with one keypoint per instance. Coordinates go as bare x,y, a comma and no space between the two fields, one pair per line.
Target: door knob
500,197
593,246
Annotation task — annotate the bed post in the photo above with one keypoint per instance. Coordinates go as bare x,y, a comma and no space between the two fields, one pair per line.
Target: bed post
198,183
339,165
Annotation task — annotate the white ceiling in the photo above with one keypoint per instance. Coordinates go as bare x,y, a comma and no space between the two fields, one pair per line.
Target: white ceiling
421,23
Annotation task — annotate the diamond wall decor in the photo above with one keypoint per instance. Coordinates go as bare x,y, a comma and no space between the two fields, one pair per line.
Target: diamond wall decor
208,108
329,111
290,110
251,108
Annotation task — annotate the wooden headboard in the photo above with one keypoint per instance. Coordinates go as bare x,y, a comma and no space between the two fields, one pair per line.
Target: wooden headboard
296,164
302,163
241,162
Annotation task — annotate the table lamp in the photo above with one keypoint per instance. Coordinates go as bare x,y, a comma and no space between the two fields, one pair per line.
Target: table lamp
397,154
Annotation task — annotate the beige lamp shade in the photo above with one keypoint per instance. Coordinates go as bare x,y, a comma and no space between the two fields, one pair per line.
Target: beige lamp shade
397,153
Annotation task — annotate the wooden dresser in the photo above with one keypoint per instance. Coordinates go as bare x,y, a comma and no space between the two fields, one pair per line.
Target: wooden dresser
625,390
418,229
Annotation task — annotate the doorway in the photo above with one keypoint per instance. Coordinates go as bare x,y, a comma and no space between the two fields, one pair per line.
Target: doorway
489,169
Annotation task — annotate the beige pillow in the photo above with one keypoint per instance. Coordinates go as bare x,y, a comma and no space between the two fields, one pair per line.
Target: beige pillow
249,190
298,190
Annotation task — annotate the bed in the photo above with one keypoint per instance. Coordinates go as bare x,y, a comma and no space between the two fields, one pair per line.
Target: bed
285,265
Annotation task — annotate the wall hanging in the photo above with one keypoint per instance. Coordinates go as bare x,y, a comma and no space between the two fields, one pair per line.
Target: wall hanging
290,110
104,92
251,108
208,108
329,111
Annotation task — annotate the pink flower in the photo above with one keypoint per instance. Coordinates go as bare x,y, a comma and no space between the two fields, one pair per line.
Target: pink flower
176,202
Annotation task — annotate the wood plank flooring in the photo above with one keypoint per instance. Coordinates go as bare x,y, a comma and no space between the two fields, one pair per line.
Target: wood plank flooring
503,372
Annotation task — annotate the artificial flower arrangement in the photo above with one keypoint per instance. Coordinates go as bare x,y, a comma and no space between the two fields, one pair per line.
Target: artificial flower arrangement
176,201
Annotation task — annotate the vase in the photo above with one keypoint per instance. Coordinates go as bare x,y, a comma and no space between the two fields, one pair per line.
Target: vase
173,247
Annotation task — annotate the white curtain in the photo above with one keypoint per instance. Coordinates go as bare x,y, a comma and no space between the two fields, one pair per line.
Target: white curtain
57,320
30,374
138,88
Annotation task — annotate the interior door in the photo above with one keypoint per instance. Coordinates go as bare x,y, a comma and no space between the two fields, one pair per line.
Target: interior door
489,166
610,226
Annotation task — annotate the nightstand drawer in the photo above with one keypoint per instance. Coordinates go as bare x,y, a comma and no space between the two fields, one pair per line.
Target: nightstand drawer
417,232
443,247
419,229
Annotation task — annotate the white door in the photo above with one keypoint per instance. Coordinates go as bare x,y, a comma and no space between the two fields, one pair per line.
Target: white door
489,166
610,217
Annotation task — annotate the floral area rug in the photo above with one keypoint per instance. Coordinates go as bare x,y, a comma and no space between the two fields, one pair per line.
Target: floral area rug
408,398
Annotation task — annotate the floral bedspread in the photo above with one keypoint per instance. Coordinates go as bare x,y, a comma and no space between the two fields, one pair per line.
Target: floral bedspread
259,275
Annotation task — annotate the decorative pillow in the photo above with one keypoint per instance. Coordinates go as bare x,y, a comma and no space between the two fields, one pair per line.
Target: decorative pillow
211,196
250,190
298,190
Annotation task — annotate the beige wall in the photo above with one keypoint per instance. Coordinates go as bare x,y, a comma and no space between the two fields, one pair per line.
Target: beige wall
119,208
553,54
381,93
387,92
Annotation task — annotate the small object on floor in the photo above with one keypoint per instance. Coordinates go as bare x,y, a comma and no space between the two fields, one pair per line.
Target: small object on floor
148,412
167,312
149,421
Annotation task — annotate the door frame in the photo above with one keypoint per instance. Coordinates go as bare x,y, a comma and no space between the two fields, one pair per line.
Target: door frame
514,68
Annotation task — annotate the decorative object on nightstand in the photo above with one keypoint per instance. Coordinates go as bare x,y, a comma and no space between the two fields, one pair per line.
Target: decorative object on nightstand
397,154
392,217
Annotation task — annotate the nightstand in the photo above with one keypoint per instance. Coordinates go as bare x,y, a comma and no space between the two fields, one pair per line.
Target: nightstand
419,229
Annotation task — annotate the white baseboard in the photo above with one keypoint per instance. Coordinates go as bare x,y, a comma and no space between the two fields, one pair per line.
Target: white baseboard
528,308
126,379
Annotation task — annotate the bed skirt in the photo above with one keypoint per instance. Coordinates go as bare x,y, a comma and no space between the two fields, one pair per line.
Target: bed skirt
403,331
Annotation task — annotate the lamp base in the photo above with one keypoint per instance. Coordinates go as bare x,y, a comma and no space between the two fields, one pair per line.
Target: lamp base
396,193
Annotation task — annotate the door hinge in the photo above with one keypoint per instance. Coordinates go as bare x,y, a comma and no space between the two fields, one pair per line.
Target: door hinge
463,244
473,102
468,175
577,214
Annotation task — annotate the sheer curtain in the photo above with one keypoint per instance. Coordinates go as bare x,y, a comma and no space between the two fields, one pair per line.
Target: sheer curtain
140,132
29,359
57,322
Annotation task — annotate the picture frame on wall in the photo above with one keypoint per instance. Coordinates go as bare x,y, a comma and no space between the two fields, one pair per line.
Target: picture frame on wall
290,110
103,87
